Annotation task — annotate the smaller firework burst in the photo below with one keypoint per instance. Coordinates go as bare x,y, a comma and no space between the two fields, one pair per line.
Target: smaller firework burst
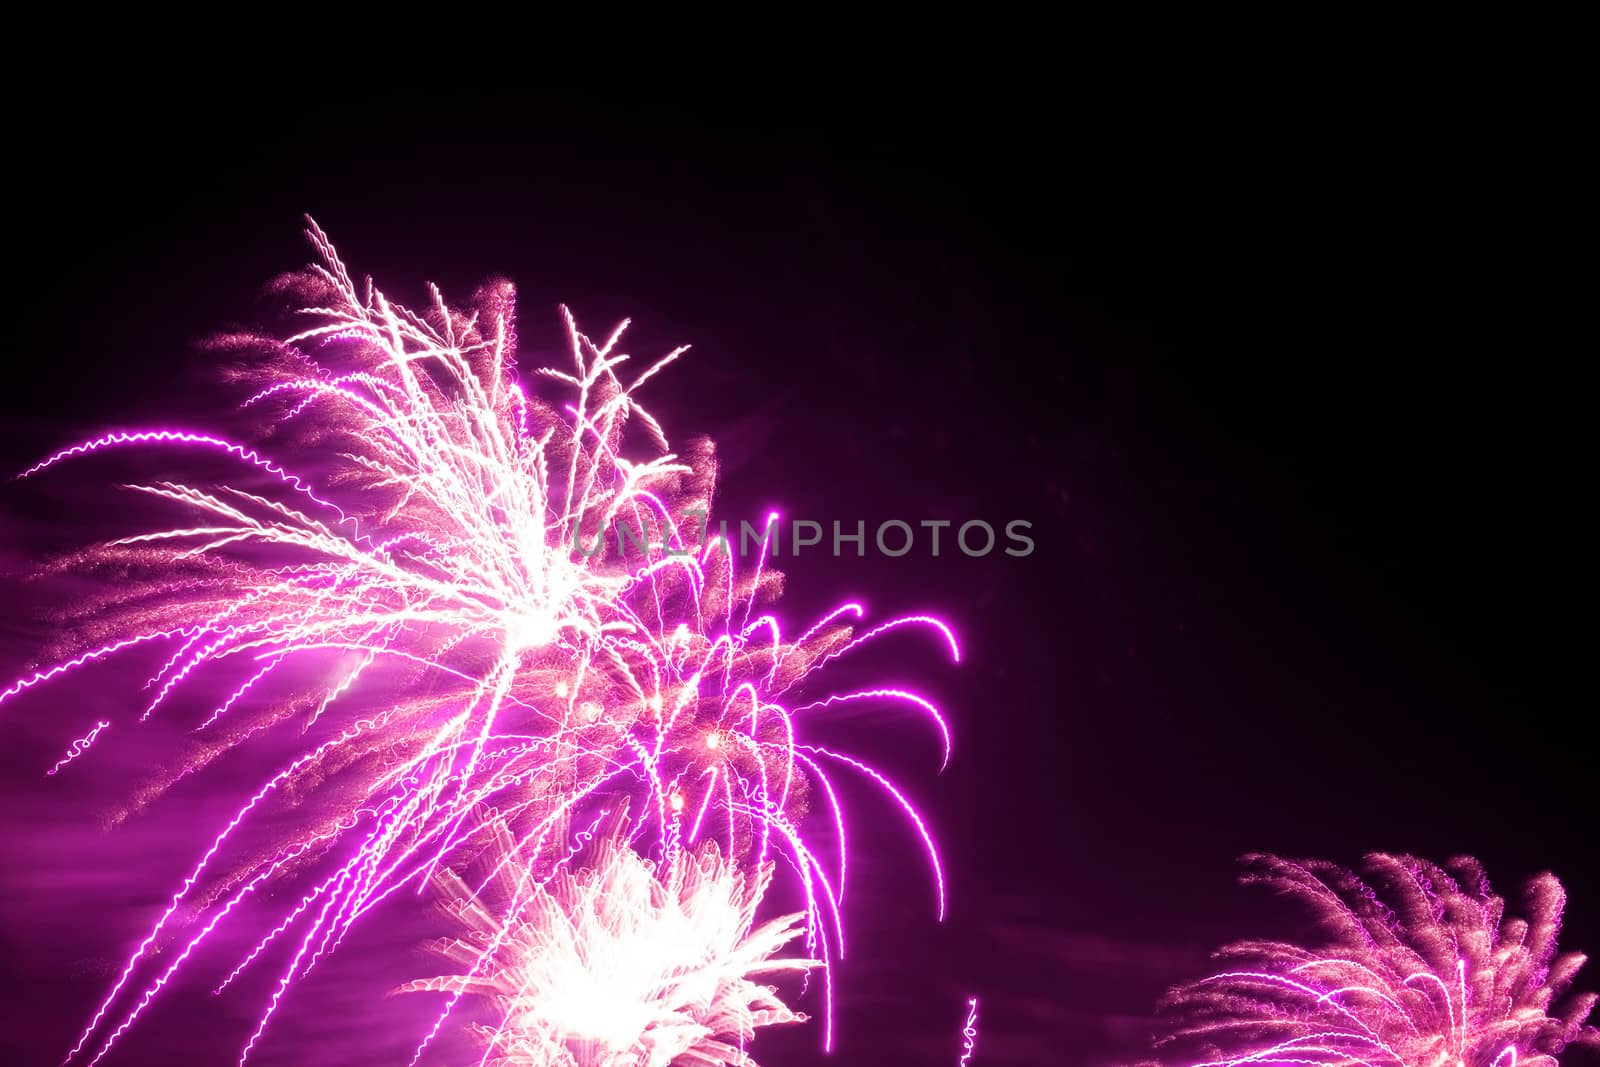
1421,968
619,961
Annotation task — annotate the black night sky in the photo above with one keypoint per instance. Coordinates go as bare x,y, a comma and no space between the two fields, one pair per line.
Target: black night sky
1281,374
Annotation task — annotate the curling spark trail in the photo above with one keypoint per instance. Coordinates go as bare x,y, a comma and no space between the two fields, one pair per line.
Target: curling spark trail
969,1033
79,747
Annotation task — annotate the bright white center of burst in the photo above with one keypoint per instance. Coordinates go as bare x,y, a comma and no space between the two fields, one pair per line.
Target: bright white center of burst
526,632
624,981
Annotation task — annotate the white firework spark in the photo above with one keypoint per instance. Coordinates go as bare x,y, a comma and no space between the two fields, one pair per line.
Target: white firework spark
618,963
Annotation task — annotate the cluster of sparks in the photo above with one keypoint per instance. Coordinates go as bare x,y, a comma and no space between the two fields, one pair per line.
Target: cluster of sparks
1427,972
619,962
429,598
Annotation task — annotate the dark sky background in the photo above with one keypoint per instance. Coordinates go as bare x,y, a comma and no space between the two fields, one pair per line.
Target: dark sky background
1279,371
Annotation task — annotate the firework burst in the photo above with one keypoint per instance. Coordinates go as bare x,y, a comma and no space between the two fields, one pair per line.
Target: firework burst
1425,970
460,597
618,962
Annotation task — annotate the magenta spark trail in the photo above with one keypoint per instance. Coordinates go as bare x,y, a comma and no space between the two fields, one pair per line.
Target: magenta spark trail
409,582
969,1033
1421,968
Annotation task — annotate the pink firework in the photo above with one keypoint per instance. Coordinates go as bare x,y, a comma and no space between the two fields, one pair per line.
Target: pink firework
460,596
1425,970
